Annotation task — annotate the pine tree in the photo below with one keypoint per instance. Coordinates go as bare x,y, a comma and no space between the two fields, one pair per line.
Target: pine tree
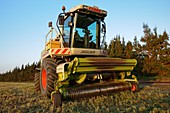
154,47
118,47
128,50
111,50
138,56
123,46
136,48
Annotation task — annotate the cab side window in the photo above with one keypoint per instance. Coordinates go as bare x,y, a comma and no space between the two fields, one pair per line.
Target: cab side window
67,32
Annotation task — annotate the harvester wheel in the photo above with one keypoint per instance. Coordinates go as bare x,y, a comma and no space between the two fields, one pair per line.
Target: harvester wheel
57,101
37,82
48,76
135,87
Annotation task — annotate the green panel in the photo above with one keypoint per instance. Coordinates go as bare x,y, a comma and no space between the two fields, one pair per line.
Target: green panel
99,64
116,68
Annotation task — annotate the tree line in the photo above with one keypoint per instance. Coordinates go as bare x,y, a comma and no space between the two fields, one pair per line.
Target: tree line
152,52
20,74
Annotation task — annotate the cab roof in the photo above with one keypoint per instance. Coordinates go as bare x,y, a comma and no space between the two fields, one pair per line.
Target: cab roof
89,10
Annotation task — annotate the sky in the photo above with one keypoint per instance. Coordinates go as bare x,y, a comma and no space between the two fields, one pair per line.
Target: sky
24,24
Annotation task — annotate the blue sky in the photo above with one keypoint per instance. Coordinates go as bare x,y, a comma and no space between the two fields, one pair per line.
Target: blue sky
23,24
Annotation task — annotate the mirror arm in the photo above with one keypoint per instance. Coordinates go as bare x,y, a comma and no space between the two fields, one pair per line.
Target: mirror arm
61,34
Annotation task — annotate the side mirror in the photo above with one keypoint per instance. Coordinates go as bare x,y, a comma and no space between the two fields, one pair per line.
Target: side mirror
61,20
50,24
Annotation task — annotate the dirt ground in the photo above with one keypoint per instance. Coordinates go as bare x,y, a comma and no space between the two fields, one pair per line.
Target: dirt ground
21,98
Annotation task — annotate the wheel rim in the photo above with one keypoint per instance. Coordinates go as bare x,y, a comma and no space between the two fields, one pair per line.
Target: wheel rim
133,87
44,79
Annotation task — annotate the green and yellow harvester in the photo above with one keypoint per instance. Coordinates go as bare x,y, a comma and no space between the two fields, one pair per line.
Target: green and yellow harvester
74,63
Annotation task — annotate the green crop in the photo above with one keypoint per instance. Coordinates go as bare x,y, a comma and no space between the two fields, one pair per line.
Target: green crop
20,97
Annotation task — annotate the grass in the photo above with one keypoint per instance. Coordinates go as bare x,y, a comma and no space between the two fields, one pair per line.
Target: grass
20,97
155,78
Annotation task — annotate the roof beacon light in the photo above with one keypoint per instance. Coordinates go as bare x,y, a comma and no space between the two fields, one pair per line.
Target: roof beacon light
63,8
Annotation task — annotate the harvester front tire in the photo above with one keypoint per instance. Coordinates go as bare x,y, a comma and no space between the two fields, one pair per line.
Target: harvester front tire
48,76
37,82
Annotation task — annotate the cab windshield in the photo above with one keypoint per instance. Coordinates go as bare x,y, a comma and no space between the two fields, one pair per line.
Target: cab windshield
86,33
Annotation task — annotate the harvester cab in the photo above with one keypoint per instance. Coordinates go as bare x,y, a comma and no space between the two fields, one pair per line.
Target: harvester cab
74,63
82,30
81,26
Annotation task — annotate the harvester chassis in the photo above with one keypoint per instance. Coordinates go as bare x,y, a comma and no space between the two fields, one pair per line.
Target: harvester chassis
75,64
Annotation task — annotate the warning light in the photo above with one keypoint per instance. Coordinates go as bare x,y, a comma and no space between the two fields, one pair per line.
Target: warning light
94,9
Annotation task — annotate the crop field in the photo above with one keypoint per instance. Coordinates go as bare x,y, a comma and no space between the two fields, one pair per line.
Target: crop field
21,98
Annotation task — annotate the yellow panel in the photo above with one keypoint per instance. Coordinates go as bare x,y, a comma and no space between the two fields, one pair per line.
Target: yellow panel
52,44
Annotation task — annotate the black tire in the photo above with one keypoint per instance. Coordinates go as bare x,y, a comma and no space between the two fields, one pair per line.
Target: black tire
48,76
57,100
37,82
